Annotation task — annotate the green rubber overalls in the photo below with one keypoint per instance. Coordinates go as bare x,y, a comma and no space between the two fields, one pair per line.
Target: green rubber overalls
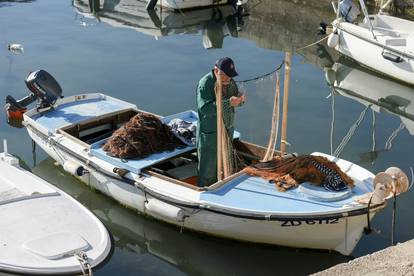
207,126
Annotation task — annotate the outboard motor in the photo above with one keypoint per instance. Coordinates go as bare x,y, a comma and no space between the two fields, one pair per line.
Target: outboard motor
44,89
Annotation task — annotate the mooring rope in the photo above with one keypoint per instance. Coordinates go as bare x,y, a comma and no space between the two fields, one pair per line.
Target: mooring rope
350,133
394,218
333,118
373,130
263,76
412,179
314,43
394,134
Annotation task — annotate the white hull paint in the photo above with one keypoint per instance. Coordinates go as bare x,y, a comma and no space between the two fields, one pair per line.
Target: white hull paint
339,235
358,43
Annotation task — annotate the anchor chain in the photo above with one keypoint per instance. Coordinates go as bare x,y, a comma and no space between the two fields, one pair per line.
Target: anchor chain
84,264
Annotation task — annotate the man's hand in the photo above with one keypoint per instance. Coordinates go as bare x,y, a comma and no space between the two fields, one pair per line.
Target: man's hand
236,101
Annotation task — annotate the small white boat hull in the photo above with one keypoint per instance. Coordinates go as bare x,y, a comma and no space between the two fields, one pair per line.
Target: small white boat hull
358,43
43,230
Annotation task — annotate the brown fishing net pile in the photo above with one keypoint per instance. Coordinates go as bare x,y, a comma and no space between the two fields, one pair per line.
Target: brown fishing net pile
142,136
289,172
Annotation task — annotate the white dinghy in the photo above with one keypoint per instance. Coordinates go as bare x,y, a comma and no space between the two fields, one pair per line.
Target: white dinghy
72,131
382,42
42,229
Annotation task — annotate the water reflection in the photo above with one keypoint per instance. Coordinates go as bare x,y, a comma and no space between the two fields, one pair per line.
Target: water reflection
137,237
375,92
214,23
6,3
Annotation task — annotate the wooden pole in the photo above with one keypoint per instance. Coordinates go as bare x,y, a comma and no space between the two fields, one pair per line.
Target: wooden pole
286,84
219,106
275,124
224,150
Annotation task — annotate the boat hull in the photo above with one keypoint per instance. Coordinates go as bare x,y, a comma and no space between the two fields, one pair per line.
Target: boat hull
335,232
368,52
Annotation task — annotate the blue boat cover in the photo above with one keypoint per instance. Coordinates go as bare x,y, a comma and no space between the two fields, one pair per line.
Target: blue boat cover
78,111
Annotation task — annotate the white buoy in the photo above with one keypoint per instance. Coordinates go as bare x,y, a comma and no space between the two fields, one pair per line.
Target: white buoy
333,40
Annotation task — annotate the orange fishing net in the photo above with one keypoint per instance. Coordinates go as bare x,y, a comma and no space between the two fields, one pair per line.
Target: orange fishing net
289,172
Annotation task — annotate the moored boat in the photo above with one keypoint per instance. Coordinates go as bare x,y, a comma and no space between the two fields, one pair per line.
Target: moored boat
72,131
43,230
382,42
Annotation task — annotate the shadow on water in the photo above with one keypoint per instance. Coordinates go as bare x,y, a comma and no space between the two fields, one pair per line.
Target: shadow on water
136,237
6,3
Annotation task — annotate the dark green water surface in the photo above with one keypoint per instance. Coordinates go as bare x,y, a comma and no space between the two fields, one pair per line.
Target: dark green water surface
155,61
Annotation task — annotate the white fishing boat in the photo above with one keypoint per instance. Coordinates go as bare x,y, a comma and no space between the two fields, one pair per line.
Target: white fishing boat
382,42
72,131
43,230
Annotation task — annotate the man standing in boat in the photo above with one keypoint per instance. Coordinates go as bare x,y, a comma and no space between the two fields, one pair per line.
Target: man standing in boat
207,114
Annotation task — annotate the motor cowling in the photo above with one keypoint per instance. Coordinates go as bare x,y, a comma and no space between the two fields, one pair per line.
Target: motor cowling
44,89
44,86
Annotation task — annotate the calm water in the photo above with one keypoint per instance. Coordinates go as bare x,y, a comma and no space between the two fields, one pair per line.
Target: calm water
156,61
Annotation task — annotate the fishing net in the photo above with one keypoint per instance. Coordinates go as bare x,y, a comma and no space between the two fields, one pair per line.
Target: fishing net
142,136
227,117
289,172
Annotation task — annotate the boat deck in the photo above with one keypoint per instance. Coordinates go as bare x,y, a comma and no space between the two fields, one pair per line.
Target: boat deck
82,109
256,195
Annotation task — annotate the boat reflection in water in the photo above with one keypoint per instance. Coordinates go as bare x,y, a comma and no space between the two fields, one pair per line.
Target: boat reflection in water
374,91
139,239
215,23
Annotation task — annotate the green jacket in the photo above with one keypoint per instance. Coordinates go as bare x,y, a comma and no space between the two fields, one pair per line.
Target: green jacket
207,126
206,104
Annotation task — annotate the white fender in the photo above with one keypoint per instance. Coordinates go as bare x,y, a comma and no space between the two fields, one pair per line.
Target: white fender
333,40
161,209
74,168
